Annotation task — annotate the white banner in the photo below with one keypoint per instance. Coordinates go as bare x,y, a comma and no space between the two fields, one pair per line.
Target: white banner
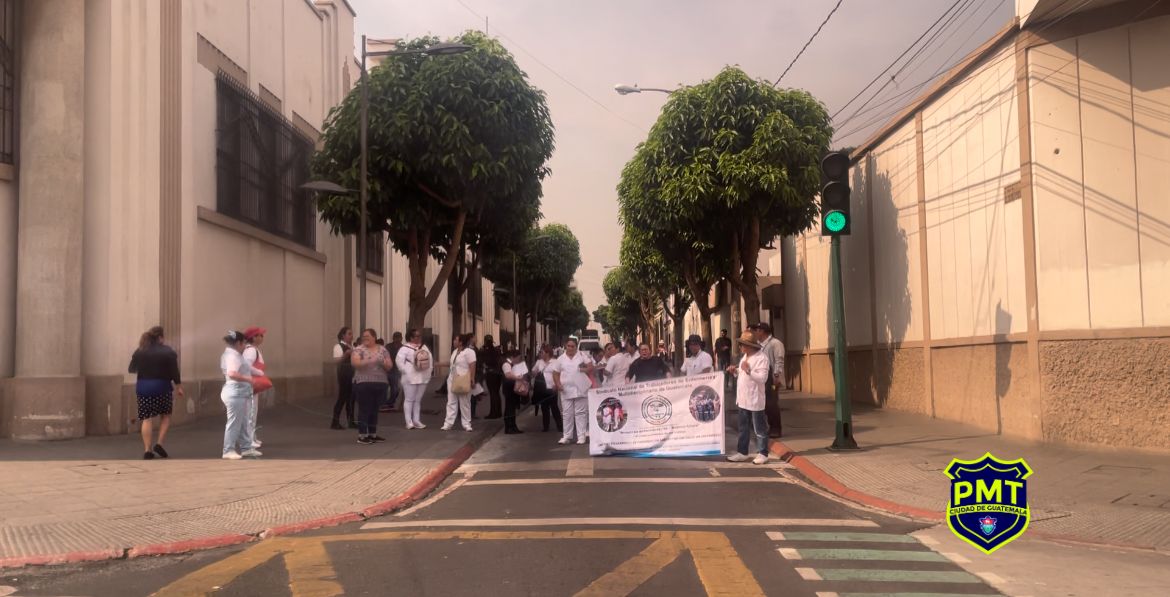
680,416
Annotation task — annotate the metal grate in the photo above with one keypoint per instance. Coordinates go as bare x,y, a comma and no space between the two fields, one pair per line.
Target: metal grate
8,20
376,249
261,162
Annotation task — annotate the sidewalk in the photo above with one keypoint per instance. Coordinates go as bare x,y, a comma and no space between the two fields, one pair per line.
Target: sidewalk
1098,495
95,498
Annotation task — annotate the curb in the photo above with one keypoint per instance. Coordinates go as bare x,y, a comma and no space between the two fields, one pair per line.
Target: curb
416,492
831,484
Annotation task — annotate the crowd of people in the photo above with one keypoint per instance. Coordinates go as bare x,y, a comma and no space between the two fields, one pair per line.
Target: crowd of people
373,376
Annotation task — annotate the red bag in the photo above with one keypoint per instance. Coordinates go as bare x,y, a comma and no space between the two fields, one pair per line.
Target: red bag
260,382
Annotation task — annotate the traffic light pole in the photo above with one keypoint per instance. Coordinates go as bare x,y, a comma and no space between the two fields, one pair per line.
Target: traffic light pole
844,439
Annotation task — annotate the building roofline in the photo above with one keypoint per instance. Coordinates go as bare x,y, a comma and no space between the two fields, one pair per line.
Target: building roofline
969,63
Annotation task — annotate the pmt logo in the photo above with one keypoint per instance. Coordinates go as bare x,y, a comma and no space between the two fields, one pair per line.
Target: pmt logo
656,410
989,501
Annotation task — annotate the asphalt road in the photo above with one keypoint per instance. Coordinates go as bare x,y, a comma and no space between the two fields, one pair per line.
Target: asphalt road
525,516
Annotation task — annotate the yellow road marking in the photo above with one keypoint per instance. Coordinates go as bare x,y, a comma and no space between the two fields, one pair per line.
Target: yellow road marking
311,572
630,575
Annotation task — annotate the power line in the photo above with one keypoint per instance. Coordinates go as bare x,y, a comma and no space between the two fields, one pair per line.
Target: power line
552,70
808,43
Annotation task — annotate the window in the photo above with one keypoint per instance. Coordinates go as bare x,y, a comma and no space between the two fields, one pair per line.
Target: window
261,162
7,81
375,245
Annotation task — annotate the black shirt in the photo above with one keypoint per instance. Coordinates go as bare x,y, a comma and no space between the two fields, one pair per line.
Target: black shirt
157,361
723,350
648,369
493,361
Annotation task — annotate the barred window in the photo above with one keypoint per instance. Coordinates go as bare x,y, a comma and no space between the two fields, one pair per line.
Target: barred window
375,247
8,21
261,162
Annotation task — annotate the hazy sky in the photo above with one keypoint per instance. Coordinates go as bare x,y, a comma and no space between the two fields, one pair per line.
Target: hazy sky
577,51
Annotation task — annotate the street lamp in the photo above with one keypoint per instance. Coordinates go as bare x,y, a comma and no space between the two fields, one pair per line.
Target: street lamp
438,49
628,89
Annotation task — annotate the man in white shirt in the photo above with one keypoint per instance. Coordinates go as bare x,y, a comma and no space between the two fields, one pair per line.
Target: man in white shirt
773,350
697,361
752,373
617,365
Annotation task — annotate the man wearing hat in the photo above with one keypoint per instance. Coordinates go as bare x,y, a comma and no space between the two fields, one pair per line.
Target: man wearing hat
773,349
752,373
697,361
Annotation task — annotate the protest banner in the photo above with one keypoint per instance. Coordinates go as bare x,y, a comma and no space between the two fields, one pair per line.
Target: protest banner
679,416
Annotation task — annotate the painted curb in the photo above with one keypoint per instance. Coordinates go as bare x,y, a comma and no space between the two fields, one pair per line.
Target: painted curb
416,492
830,483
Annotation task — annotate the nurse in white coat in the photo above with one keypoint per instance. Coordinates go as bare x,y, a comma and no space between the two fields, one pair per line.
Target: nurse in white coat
571,373
416,363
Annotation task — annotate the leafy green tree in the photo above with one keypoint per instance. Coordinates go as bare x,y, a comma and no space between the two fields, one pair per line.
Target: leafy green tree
452,141
730,165
658,278
634,301
568,308
620,317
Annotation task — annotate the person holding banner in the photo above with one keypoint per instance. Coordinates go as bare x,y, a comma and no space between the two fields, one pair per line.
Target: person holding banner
752,375
648,367
571,373
697,361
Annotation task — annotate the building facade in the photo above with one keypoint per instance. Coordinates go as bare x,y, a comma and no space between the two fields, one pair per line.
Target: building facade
1009,265
151,157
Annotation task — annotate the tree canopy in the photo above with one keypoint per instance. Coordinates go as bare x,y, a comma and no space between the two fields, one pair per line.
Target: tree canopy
455,144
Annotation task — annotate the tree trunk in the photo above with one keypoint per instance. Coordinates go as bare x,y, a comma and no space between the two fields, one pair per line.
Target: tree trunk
422,299
679,316
745,252
702,297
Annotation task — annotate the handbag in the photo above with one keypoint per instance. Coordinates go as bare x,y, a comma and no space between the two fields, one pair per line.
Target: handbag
521,388
461,383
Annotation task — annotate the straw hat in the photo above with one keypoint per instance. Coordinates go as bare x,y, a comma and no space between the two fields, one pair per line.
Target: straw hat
748,339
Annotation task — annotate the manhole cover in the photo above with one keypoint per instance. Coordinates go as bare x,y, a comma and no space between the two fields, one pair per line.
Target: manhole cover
1110,469
106,468
1144,500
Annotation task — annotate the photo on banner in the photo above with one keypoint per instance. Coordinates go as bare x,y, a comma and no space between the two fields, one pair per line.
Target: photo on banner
680,416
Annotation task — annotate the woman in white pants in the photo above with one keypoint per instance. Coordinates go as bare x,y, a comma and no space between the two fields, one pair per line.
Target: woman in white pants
571,373
416,363
462,363
237,396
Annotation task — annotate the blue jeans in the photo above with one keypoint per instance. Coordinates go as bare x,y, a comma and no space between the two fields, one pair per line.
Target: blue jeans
753,420
370,396
237,433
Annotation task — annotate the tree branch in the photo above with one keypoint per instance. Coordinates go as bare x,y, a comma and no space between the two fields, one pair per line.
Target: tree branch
449,262
437,197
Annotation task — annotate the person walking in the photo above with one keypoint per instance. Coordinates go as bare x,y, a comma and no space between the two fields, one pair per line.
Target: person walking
371,366
341,354
515,374
773,349
571,373
460,380
236,396
157,367
493,377
648,367
261,383
697,361
417,366
752,375
544,392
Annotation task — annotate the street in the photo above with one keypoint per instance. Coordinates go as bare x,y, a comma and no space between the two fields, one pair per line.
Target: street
530,517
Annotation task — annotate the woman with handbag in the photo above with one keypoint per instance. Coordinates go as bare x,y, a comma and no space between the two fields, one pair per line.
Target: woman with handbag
460,380
543,393
261,383
515,387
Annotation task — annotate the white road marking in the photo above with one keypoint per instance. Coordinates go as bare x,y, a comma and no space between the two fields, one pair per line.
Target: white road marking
992,578
789,553
808,574
776,535
954,557
714,472
557,480
678,522
827,594
929,541
580,465
438,496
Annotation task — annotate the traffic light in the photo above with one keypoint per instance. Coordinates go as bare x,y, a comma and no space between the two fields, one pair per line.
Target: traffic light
835,218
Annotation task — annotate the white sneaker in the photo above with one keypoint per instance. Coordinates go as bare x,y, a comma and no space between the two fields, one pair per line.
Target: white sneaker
419,426
737,457
761,459
409,426
232,456
468,429
583,441
445,428
564,441
253,453
255,444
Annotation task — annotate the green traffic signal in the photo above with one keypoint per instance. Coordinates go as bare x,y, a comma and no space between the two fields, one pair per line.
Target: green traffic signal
835,221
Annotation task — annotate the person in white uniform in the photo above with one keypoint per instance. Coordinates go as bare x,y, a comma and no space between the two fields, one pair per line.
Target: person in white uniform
417,366
571,376
697,361
462,364
618,368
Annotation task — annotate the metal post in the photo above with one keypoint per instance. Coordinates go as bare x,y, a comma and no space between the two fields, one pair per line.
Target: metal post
844,437
515,307
363,248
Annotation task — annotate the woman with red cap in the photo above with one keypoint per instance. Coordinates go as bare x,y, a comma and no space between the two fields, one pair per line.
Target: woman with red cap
260,380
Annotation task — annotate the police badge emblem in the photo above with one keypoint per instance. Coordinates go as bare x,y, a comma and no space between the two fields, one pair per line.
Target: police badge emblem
989,501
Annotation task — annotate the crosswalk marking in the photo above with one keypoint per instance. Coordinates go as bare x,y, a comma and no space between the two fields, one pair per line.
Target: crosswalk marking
789,553
808,574
615,521
836,594
643,480
888,555
863,537
857,574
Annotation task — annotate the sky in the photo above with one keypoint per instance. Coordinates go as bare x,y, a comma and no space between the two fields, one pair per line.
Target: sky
577,51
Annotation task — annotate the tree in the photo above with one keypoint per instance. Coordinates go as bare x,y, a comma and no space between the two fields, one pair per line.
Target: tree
657,278
568,308
736,163
621,316
452,141
544,266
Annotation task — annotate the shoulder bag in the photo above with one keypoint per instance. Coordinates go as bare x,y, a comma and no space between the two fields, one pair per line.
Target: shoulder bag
461,383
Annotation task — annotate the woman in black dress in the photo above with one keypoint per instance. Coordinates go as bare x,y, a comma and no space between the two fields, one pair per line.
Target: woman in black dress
157,366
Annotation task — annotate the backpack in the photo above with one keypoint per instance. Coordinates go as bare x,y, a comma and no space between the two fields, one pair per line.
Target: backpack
422,359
